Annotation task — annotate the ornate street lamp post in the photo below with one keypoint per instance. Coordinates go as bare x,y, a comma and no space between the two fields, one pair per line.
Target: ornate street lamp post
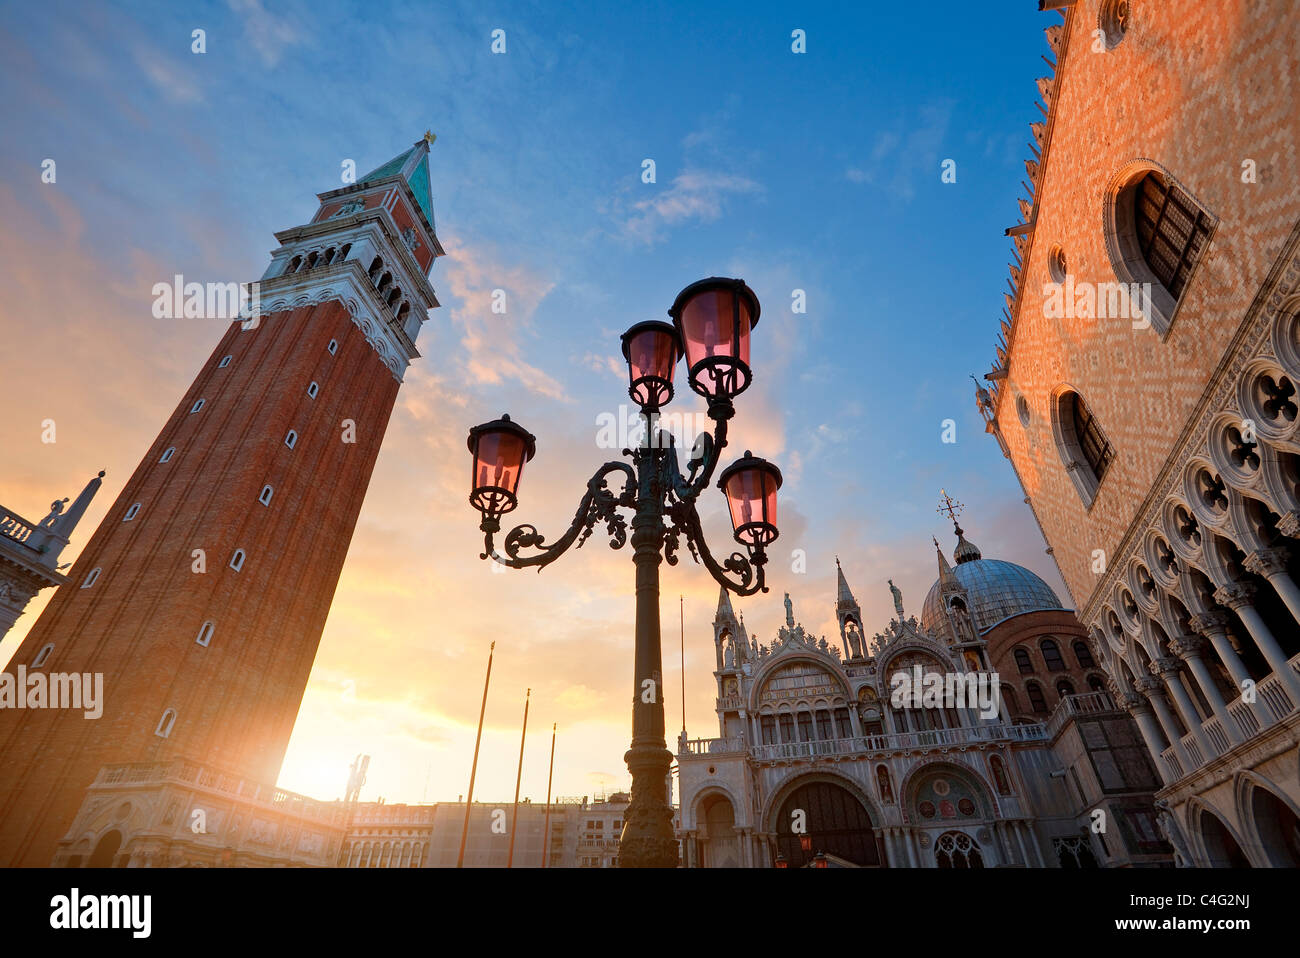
712,321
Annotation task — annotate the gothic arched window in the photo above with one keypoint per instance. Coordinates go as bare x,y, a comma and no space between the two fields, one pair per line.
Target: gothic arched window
1096,683
1023,663
1083,655
1155,235
1171,230
1052,655
1037,701
1085,450
1064,688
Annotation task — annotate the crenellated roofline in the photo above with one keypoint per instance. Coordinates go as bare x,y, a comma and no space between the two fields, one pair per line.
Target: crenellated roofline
1058,39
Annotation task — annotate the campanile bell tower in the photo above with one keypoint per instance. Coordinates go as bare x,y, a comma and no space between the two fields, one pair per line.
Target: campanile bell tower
202,596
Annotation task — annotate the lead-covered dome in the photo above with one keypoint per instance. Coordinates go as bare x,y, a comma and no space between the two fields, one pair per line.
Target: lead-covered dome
995,590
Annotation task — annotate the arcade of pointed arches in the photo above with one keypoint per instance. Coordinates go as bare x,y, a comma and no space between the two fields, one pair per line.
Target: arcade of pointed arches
1208,600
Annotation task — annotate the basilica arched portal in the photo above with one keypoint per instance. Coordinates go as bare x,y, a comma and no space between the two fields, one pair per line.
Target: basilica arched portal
834,820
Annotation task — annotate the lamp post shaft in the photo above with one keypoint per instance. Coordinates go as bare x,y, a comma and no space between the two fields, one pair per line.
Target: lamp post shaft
648,840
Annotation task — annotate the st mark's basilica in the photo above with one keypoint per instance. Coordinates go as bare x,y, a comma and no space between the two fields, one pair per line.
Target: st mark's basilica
814,764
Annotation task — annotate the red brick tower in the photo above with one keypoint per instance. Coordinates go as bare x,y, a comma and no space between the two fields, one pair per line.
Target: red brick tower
263,467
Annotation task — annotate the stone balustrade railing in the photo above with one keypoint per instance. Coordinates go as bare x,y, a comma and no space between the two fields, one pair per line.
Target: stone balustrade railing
1272,704
189,773
712,746
871,743
1090,703
15,527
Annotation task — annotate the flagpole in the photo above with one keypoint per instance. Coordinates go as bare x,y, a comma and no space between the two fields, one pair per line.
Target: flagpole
469,799
514,815
681,604
546,828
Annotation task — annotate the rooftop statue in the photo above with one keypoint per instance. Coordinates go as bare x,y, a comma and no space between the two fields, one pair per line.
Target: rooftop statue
898,599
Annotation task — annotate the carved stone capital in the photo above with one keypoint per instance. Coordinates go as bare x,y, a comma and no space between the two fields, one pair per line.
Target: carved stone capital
1289,524
1130,702
1235,596
1187,647
1210,623
1165,665
1147,685
1267,562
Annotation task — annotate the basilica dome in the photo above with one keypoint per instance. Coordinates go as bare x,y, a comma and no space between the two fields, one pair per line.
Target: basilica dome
996,590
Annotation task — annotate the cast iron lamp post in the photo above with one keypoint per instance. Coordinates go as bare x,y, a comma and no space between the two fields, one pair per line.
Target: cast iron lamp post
712,320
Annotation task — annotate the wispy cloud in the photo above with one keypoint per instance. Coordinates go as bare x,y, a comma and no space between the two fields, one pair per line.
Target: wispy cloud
268,34
604,364
899,159
171,80
699,195
492,337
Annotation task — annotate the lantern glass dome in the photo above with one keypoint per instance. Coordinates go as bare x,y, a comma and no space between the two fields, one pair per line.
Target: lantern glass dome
714,318
651,350
499,450
750,485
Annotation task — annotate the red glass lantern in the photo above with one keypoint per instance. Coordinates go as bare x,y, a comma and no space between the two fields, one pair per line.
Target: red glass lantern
499,449
651,350
713,318
750,485
780,861
805,842
821,861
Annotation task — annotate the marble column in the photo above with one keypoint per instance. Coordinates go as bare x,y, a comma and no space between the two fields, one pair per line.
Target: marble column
1169,672
1238,598
855,721
1150,687
1031,839
1137,707
887,840
1189,649
1271,564
1020,840
1214,626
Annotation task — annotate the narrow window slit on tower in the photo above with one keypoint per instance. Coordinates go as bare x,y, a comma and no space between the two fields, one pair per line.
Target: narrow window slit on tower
265,497
205,634
165,724
90,579
167,453
237,560
312,390
333,346
130,513
42,655
225,361
291,440
197,406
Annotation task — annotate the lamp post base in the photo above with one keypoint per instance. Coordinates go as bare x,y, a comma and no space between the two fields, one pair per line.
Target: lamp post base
648,840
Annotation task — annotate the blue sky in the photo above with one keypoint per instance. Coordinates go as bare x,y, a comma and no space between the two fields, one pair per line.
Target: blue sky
817,171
